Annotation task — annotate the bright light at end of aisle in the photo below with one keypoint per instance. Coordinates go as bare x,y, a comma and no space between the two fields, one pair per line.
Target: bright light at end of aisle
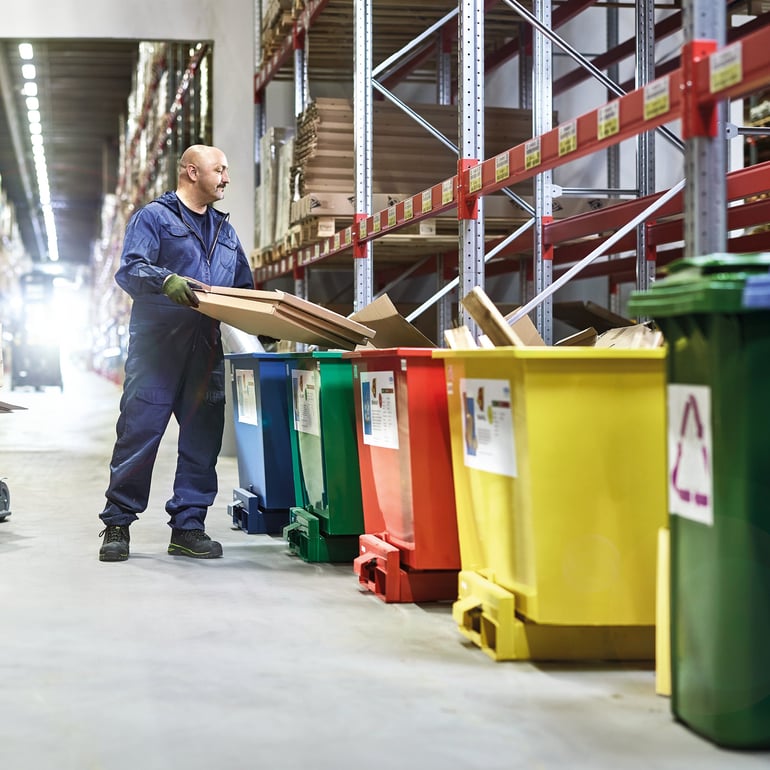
35,126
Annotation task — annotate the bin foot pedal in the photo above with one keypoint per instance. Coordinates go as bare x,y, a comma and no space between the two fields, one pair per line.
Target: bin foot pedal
248,515
306,539
485,613
378,566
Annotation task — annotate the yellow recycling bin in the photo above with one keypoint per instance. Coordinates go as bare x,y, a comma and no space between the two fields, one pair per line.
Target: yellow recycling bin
560,481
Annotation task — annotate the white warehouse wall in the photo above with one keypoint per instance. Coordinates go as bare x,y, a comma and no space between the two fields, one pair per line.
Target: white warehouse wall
229,24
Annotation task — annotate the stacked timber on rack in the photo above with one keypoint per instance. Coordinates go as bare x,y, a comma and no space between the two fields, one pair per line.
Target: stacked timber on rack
277,22
406,160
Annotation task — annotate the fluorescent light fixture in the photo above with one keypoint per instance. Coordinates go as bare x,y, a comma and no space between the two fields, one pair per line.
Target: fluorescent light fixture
38,151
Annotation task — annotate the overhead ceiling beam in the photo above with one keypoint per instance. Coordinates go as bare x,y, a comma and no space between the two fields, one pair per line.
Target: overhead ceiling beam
12,113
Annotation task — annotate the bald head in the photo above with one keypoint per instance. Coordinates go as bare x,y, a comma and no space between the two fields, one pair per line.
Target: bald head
203,176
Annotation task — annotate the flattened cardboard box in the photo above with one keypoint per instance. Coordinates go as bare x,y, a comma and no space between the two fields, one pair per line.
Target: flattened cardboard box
280,315
393,330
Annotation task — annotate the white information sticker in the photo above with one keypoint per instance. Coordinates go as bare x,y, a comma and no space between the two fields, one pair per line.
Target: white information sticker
690,477
378,409
305,392
488,440
247,396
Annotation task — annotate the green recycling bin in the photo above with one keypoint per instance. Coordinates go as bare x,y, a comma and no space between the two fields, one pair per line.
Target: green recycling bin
328,518
714,312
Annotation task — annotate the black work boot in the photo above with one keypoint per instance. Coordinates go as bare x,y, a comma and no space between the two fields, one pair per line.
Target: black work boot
115,545
194,543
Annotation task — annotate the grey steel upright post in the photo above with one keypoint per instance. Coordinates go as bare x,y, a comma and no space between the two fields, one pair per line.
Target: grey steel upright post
542,121
705,195
470,85
645,142
444,94
259,111
301,91
362,136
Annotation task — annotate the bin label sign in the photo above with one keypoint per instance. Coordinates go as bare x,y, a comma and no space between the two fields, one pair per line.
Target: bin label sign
690,479
247,396
304,394
378,409
488,441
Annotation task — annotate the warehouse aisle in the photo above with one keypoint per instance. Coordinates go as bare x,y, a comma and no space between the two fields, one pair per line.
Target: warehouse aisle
259,660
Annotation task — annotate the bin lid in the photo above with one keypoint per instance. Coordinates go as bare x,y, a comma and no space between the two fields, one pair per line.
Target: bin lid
756,292
713,283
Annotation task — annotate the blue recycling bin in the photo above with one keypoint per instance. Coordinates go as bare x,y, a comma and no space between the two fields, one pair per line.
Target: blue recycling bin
260,407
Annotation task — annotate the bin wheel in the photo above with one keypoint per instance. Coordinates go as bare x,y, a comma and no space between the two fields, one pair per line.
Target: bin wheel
5,501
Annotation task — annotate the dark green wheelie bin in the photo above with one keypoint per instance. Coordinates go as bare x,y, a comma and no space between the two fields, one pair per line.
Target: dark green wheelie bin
714,312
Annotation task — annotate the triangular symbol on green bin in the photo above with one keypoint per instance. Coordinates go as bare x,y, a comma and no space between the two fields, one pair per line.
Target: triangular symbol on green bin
681,480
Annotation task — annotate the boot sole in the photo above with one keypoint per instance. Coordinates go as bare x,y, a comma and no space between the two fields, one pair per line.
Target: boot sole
178,550
113,557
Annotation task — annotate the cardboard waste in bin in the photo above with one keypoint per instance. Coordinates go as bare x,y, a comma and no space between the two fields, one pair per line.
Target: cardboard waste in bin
409,551
715,315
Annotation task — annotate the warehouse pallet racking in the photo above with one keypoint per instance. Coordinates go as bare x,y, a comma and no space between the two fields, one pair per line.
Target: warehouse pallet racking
169,82
664,93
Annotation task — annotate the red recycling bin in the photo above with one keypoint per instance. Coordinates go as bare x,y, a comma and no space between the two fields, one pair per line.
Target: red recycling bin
409,551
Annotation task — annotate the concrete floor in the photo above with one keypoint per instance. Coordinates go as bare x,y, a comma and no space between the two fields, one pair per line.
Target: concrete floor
260,660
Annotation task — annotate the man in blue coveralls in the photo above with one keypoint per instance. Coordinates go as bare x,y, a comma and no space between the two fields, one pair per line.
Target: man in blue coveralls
175,362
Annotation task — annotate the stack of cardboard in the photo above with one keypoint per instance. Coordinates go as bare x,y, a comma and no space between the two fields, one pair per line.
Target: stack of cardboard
286,317
280,315
405,157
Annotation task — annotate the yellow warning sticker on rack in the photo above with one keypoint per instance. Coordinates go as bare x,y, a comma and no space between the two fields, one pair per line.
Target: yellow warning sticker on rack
348,235
532,153
502,166
362,229
474,179
408,208
726,67
427,201
608,120
377,223
317,251
657,98
391,216
447,191
336,240
567,137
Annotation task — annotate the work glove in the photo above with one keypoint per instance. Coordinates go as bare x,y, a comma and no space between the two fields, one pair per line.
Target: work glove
178,290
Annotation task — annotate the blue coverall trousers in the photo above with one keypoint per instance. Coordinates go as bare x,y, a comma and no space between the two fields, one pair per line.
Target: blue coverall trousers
175,366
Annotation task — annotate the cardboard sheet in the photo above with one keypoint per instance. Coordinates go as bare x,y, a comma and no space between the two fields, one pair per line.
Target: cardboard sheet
280,315
392,329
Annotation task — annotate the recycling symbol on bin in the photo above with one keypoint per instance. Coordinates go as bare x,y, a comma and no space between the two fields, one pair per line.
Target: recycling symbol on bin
692,465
